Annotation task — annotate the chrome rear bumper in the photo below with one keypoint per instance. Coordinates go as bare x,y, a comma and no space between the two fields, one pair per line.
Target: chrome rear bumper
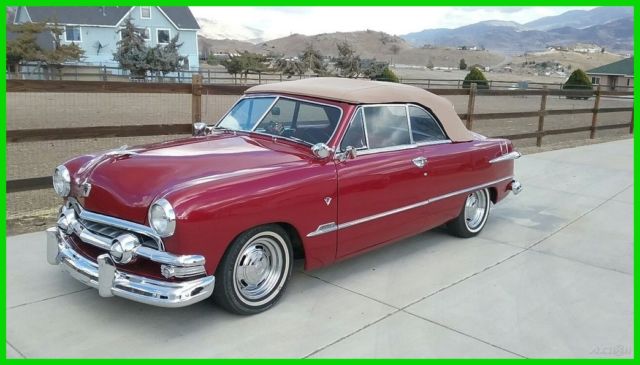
104,276
515,186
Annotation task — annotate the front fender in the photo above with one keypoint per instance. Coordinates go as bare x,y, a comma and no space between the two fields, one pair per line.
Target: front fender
213,211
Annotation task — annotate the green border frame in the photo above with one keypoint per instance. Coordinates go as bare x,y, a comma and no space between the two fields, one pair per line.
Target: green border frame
3,141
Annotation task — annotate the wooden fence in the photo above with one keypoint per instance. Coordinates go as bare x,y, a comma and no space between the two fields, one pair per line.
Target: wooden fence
219,76
197,89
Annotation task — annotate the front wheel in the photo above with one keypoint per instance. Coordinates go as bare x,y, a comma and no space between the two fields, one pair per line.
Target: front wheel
473,215
253,273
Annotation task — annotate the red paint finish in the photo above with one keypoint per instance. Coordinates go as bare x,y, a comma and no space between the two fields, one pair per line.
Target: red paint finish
224,184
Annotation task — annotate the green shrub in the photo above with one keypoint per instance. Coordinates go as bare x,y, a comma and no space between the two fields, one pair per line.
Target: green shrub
578,80
475,76
387,75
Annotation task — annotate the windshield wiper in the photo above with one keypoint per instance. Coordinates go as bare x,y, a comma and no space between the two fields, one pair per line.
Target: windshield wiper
297,140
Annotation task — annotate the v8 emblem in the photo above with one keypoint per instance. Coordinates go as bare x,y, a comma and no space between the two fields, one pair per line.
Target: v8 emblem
327,200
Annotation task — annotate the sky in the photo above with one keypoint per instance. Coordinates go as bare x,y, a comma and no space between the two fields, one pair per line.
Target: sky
275,22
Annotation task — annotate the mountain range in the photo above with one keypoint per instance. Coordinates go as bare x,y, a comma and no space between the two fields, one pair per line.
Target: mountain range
609,27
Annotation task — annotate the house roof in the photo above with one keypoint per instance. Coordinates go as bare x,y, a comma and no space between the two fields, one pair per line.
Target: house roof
372,92
622,67
105,15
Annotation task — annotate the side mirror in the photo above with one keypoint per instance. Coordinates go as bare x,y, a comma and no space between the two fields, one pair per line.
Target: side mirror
349,154
321,150
200,129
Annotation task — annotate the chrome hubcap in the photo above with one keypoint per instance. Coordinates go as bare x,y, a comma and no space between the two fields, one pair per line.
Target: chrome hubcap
258,268
475,209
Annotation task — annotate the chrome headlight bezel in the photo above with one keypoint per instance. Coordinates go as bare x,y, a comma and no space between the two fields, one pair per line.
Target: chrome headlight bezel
162,218
62,181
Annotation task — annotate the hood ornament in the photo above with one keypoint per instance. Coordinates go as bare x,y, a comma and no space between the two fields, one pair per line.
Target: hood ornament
120,151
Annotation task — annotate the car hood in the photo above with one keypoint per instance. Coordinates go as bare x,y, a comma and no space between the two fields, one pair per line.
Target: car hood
124,182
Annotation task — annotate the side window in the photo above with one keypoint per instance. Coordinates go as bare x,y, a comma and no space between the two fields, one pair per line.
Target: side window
313,116
424,127
355,136
386,126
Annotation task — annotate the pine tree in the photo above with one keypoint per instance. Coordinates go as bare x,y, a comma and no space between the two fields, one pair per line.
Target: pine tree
463,64
61,53
25,48
313,60
348,62
132,53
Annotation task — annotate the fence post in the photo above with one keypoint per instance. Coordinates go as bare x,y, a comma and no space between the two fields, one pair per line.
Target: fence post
543,108
594,119
631,123
428,83
208,76
196,98
470,105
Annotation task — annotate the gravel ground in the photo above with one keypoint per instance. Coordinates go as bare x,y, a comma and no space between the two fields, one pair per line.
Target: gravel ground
27,211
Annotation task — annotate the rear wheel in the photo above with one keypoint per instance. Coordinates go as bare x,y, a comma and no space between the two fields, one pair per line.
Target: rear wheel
253,274
473,215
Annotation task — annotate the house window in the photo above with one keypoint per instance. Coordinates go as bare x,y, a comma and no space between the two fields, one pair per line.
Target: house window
72,34
145,33
595,80
145,12
164,35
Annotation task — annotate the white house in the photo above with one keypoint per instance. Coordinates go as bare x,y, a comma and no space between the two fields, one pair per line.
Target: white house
96,28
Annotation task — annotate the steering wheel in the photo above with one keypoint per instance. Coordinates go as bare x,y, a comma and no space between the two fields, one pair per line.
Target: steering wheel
275,128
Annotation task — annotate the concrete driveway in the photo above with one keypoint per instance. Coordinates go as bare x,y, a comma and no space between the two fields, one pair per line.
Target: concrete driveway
550,276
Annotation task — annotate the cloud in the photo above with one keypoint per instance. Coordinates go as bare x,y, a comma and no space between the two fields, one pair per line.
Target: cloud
278,22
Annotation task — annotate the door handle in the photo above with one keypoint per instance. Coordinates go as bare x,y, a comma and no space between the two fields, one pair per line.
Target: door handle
420,162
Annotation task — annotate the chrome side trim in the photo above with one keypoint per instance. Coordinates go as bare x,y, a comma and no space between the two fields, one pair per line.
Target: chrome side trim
355,222
506,157
324,228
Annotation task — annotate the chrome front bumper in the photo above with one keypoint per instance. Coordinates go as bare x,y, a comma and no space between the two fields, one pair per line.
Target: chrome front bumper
104,276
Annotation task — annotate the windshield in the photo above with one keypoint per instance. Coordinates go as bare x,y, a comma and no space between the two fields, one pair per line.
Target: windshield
298,120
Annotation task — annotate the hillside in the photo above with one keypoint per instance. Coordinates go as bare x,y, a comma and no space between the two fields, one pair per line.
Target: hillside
368,44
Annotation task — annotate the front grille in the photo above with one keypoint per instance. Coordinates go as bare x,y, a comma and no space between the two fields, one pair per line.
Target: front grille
106,232
101,229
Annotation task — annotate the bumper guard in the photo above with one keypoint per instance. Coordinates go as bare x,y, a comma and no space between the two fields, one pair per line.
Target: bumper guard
109,281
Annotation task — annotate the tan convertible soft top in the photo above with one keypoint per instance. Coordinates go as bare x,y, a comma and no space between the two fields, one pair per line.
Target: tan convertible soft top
372,92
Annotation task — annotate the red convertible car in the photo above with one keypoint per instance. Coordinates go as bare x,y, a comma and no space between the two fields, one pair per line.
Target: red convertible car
320,169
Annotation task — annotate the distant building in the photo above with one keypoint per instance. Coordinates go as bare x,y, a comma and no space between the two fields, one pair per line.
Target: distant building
614,75
96,28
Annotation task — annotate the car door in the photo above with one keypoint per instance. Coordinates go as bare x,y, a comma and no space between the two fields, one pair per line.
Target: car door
448,167
376,187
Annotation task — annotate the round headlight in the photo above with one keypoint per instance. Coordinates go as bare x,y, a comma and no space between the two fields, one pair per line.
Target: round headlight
61,181
162,218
